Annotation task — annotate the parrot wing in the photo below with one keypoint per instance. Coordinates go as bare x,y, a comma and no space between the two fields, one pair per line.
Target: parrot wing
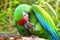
47,22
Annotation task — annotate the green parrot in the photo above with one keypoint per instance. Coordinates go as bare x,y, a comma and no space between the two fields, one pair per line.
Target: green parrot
19,14
34,20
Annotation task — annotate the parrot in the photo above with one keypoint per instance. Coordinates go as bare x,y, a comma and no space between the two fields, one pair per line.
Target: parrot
18,15
34,20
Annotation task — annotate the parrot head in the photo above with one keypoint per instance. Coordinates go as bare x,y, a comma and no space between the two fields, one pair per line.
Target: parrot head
20,13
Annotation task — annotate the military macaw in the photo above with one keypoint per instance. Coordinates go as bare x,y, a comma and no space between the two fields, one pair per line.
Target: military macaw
34,20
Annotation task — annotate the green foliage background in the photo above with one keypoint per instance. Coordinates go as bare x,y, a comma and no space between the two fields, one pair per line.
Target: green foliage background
7,7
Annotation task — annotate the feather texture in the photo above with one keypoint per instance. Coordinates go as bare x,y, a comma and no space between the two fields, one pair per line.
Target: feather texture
47,22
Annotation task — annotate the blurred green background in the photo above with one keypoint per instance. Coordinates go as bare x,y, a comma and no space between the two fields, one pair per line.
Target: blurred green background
7,7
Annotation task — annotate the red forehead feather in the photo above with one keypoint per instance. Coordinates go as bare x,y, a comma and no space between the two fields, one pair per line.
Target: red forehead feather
22,22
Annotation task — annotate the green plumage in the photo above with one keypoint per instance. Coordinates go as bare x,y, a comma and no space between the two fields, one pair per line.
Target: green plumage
32,19
40,28
18,14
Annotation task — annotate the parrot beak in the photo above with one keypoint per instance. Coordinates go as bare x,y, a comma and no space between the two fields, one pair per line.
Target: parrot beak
26,15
